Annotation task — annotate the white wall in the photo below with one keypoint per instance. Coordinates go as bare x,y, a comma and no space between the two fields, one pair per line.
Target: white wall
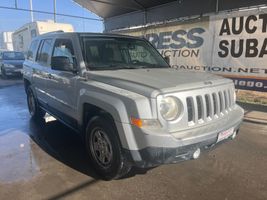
6,42
232,44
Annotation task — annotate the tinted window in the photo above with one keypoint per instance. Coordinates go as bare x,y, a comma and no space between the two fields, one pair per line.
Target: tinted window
44,52
63,47
32,50
13,56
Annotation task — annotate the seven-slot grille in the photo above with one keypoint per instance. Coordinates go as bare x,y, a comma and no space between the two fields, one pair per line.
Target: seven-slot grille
209,106
18,66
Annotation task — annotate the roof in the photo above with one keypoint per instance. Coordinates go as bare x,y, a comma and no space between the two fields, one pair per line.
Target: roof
120,14
83,34
111,8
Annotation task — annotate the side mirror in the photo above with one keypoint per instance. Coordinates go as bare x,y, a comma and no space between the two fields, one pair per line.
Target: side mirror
167,59
61,63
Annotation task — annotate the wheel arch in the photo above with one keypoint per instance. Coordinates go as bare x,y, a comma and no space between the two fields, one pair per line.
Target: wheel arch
101,104
90,110
27,83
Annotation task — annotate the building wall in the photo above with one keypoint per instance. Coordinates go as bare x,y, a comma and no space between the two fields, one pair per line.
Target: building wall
6,41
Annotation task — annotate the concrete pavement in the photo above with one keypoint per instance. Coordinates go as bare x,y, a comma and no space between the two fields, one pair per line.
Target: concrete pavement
10,82
48,161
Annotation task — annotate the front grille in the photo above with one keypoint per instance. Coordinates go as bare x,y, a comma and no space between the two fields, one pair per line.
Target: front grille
208,106
19,66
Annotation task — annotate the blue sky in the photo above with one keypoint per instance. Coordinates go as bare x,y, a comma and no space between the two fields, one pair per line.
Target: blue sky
10,20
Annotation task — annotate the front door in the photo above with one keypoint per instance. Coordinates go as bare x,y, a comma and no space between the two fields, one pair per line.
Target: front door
61,85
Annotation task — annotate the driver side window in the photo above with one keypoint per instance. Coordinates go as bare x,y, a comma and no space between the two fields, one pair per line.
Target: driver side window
64,48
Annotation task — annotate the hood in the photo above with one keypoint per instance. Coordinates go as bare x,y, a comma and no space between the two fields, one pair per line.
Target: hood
151,82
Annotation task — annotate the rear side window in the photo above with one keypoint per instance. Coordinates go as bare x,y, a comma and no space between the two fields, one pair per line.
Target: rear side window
44,52
32,50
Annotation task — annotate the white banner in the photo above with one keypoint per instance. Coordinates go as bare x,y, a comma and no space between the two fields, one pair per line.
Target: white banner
232,45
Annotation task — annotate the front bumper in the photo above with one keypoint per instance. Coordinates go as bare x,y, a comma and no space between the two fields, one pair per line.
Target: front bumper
13,71
155,156
156,149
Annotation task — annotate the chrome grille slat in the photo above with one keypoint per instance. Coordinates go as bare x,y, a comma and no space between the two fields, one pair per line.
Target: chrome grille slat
230,99
215,103
222,105
226,103
219,104
211,106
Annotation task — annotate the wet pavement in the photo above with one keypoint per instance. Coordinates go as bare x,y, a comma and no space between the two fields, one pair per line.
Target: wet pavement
48,161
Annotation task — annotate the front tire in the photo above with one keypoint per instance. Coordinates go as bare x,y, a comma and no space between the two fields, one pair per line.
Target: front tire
104,149
3,73
35,111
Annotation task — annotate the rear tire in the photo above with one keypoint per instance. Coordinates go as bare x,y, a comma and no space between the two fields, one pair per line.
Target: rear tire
34,109
104,149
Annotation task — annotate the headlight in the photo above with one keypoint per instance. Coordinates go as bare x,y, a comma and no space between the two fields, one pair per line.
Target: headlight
170,108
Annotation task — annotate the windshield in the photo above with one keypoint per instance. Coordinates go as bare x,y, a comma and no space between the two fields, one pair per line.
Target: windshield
13,56
120,53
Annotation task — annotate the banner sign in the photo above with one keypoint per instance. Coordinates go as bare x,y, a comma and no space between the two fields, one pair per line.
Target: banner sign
232,45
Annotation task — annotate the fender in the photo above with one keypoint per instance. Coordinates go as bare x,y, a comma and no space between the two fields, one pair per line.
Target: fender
113,100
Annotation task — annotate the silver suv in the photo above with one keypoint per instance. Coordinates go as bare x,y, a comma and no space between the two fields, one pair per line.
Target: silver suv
131,108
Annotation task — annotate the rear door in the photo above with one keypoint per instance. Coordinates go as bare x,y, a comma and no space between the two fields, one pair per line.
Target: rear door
41,69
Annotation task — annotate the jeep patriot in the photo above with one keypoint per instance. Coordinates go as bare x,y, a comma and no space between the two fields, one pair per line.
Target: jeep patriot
130,106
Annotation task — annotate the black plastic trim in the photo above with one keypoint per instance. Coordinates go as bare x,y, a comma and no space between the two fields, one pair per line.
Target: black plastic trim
155,156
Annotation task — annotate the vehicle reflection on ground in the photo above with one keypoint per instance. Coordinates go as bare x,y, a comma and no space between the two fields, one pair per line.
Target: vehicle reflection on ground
61,143
18,161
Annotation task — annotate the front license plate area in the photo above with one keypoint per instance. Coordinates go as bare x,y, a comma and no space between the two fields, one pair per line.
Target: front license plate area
225,134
